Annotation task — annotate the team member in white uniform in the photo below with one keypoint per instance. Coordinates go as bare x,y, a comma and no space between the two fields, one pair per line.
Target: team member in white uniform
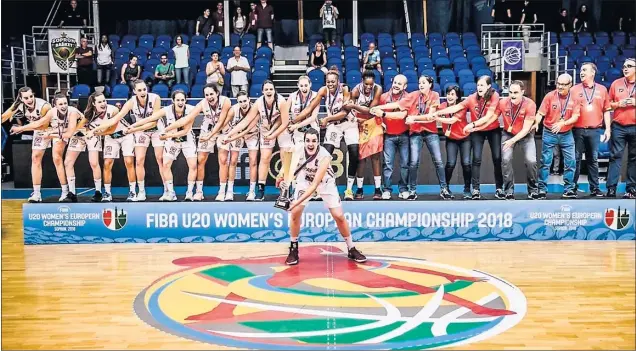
272,112
115,140
313,173
141,106
364,96
214,109
79,143
299,100
338,122
27,105
181,140
249,136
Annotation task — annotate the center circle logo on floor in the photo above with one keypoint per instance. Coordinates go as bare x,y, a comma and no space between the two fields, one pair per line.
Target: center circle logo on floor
329,301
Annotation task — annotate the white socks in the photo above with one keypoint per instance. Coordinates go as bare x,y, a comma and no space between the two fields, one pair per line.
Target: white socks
222,188
190,186
64,188
142,186
378,181
36,189
71,185
199,186
230,188
252,187
98,184
107,188
169,186
350,181
360,182
131,186
349,241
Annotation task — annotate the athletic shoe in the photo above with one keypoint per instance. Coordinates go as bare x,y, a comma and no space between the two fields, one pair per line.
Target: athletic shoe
348,195
596,193
141,196
35,197
220,196
630,195
198,196
386,195
260,193
377,195
476,195
97,197
510,196
356,255
250,196
107,197
541,196
412,195
172,196
359,194
292,258
446,194
533,196
569,195
500,194
188,196
611,193
63,197
404,195
165,196
229,196
132,197
467,194
70,197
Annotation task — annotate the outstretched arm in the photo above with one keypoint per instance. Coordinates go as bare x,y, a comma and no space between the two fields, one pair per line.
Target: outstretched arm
284,121
324,164
247,121
113,121
42,122
187,119
312,106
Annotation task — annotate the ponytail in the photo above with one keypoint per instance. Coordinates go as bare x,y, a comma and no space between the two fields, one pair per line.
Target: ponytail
90,113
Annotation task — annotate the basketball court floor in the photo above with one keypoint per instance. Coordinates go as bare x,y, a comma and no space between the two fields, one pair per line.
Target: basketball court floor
413,295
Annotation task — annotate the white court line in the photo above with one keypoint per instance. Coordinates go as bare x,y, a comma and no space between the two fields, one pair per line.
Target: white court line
85,191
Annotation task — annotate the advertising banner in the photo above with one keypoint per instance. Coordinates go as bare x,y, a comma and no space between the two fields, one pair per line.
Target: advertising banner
370,221
62,46
512,53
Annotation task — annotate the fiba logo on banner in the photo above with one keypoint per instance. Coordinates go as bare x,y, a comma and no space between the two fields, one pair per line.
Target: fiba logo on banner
512,54
114,218
617,218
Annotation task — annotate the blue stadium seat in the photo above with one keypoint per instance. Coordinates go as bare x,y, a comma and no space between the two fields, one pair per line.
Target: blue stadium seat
417,40
465,79
632,39
365,39
263,52
256,90
412,86
446,73
401,39
389,64
163,41
407,64
585,38
472,52
129,41
151,64
146,41
496,87
460,63
484,72
260,76
388,79
385,39
446,85
317,78
619,38
378,76
452,39
249,40
332,51
566,39
122,54
353,78
114,40
197,91
157,52
161,90
619,60
141,52
438,51
235,39
423,50
611,50
247,52
477,66
455,52
435,39
410,75
352,64
593,51
201,77
583,59
197,41
429,72
145,75
424,63
80,91
442,62
348,39
184,87
185,37
470,37
469,88
601,38
120,91
403,52
351,51
628,50
385,51
227,52
262,64
613,74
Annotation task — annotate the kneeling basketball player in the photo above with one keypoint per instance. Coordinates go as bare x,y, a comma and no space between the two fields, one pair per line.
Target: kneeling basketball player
314,173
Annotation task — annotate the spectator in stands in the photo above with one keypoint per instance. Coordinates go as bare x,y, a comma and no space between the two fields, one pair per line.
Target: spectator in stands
130,72
623,103
528,13
218,19
264,23
164,72
564,21
502,12
372,59
329,16
593,107
215,71
318,59
251,25
204,24
238,66
104,60
182,58
73,17
239,21
581,20
626,19
84,57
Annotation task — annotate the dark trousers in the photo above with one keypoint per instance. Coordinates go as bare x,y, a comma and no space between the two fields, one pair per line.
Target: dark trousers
622,137
586,141
453,147
494,140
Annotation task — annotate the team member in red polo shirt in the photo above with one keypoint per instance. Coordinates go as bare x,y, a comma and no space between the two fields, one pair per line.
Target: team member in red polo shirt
558,109
622,96
518,114
592,103
482,105
396,136
456,139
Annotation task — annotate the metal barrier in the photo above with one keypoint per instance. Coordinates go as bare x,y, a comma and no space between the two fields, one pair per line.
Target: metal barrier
493,34
556,64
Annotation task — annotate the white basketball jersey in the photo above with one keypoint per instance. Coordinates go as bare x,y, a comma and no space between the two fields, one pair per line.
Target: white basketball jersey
334,101
363,100
139,111
308,171
211,114
238,117
110,113
172,117
60,121
36,114
298,104
269,115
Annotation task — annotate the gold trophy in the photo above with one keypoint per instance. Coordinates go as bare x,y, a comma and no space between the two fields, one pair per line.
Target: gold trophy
289,162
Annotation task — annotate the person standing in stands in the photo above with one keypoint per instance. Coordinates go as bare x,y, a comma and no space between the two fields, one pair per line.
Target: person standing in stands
239,21
204,24
329,15
73,17
84,57
528,13
593,105
238,66
564,21
104,60
251,24
218,20
581,20
264,23
622,95
502,14
558,109
182,60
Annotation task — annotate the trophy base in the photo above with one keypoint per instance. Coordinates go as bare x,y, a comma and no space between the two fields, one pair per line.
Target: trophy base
283,203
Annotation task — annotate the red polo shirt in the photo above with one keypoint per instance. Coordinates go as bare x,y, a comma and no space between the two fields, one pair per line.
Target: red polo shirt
622,89
479,109
421,105
396,126
552,108
455,131
514,116
590,114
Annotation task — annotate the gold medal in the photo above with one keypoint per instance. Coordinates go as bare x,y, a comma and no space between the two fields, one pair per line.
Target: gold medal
448,132
510,129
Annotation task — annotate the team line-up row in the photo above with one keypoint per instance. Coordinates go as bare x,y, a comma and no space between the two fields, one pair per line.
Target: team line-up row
372,122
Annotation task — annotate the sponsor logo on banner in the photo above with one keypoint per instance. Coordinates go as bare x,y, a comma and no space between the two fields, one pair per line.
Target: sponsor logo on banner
114,218
386,303
63,43
617,218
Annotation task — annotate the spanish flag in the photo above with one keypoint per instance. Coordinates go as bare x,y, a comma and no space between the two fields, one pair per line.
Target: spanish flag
371,137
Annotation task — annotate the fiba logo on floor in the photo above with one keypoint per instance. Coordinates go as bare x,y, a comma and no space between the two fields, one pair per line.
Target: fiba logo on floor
617,218
114,218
